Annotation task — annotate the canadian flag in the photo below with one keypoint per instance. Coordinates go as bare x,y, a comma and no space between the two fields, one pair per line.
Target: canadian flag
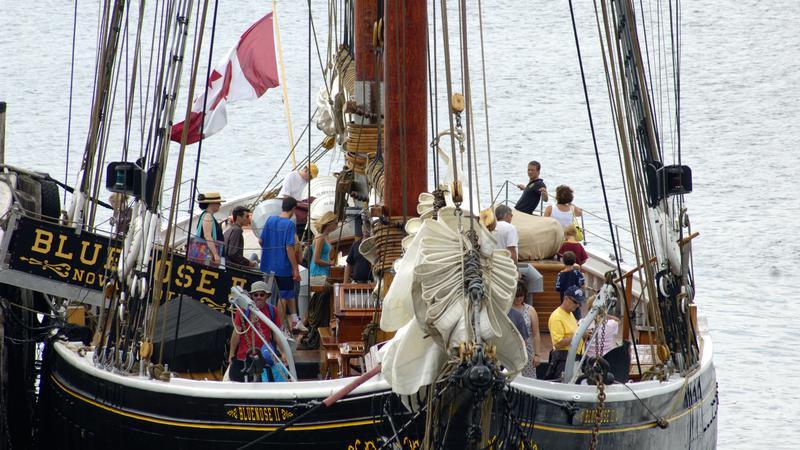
245,73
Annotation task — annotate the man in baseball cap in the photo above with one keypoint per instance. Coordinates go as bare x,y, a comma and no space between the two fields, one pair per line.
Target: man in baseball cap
563,327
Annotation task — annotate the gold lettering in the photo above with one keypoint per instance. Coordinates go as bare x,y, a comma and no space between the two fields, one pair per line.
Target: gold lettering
78,275
167,272
112,259
236,281
60,252
90,278
84,246
43,240
101,279
184,280
241,413
205,285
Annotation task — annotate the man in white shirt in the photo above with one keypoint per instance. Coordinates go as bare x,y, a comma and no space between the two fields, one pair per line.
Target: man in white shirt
506,233
508,238
295,184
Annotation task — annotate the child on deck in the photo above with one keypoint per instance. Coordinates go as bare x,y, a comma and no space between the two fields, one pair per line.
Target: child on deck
570,275
572,245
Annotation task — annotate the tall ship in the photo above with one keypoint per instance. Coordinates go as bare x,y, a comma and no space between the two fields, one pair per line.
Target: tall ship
116,332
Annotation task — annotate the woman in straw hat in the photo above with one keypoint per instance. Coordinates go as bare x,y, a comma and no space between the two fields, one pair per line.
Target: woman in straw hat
321,260
207,226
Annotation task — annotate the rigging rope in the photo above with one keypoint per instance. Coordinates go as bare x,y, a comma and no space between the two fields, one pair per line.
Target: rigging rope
611,77
69,108
486,105
157,292
594,141
468,93
194,189
432,98
449,84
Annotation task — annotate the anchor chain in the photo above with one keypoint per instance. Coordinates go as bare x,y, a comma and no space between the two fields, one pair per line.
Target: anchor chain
601,393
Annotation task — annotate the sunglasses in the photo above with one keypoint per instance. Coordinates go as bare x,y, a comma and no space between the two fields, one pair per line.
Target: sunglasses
259,294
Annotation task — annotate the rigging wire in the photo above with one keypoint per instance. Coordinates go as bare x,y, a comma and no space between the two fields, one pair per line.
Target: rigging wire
193,189
467,92
610,72
308,111
434,93
69,107
486,105
449,84
594,140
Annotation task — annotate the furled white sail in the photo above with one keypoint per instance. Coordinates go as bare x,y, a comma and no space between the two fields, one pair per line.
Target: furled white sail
428,307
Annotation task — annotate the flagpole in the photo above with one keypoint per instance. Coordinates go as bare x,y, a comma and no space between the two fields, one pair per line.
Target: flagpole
286,108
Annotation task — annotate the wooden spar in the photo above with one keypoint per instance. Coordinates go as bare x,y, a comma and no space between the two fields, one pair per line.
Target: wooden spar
366,14
405,106
368,74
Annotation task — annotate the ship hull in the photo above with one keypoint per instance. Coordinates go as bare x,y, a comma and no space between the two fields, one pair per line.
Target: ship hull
82,407
684,417
86,408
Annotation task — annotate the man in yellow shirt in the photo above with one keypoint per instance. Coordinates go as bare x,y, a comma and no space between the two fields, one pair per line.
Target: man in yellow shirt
563,326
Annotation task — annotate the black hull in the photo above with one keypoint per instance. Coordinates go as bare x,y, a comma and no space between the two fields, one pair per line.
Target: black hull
81,411
84,408
689,420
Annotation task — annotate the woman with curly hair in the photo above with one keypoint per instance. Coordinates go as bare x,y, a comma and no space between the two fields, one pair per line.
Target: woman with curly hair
564,211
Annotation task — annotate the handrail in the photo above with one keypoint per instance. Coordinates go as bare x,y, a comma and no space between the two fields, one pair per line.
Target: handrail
507,201
618,228
604,296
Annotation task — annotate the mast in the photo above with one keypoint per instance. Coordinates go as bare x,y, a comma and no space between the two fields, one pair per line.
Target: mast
405,106
668,283
110,35
368,76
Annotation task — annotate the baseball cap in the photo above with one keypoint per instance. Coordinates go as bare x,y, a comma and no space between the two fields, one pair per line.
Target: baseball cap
576,294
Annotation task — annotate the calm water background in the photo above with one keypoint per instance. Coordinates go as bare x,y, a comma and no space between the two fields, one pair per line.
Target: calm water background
740,110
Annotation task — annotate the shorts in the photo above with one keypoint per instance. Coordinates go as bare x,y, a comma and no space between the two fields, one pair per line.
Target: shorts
285,286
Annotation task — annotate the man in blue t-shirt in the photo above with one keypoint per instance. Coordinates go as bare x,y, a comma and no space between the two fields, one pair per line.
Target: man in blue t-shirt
533,192
279,257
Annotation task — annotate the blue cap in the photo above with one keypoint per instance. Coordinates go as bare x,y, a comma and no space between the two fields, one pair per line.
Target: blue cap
576,294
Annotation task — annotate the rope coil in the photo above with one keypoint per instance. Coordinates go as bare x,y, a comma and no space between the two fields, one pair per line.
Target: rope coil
389,242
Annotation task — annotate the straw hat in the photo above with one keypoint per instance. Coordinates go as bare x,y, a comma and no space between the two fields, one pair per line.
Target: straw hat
327,218
207,198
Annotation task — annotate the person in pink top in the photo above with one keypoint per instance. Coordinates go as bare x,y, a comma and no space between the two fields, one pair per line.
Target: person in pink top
572,245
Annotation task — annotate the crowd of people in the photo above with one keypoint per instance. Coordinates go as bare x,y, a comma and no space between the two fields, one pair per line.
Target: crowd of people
570,281
281,255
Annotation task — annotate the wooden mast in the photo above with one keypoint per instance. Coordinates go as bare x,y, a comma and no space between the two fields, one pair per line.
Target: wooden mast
366,17
405,106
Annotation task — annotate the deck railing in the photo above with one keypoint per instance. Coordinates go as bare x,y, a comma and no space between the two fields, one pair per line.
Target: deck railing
597,222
